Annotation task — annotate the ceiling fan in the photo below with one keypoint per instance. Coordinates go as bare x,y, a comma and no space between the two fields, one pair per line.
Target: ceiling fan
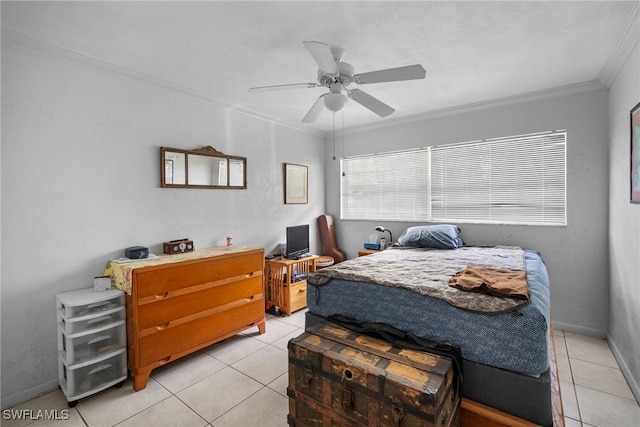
337,75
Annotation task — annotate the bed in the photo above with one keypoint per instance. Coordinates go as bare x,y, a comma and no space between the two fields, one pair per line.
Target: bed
505,342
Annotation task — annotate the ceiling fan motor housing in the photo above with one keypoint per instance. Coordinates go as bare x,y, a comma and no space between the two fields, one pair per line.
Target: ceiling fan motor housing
344,77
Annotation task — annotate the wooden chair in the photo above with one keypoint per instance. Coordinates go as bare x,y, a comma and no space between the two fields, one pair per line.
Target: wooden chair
329,242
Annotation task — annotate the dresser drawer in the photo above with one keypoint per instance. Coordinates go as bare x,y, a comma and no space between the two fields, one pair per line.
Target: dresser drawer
160,309
157,281
80,347
161,344
296,297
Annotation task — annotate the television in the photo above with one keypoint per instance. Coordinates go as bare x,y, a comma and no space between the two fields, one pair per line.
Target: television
297,245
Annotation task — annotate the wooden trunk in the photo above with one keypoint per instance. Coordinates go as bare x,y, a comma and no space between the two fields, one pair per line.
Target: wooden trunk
340,378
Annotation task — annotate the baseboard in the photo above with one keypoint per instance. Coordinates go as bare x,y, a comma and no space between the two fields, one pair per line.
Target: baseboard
626,372
597,333
26,395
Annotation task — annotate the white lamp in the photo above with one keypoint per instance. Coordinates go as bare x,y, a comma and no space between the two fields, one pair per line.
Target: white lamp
382,230
335,101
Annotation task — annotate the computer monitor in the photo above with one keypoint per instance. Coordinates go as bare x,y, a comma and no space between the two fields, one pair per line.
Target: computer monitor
297,241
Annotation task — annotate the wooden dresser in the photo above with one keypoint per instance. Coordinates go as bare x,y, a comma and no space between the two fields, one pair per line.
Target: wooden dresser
176,308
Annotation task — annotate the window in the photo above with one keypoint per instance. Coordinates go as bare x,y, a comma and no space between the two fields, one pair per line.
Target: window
514,180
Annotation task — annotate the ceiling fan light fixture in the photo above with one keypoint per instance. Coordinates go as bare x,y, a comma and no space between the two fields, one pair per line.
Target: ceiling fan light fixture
335,102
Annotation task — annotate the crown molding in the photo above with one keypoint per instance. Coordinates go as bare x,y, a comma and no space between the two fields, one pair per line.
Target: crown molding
573,89
71,57
628,40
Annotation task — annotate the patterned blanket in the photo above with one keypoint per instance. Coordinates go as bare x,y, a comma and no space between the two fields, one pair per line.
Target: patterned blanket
427,272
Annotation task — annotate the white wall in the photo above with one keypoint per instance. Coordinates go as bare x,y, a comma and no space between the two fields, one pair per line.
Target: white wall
576,255
81,181
624,224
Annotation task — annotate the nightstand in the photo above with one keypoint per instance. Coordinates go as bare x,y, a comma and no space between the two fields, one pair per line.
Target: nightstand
364,252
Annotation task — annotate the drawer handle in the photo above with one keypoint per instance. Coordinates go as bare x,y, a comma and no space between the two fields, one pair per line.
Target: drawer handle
165,360
161,296
250,298
98,339
98,320
302,289
163,327
249,274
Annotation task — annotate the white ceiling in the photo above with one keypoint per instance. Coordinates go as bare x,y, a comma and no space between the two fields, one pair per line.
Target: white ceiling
473,51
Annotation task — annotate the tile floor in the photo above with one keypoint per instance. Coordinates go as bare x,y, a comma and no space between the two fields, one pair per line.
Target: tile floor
242,382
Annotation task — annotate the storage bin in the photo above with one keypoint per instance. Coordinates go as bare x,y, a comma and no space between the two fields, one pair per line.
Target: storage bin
79,304
94,321
92,344
89,377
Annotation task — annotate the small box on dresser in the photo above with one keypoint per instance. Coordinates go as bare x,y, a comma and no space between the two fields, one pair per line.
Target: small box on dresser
92,351
341,378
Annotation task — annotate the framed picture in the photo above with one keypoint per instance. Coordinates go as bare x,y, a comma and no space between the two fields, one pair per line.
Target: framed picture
295,184
635,154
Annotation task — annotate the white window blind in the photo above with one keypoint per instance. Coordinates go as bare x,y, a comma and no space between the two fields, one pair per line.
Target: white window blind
515,180
391,186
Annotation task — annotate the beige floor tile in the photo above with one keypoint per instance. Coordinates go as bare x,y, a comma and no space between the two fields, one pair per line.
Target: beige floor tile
599,377
275,329
234,348
590,349
296,319
216,394
564,368
280,384
186,371
170,412
603,409
114,405
265,365
560,343
266,408
569,400
283,342
570,422
74,420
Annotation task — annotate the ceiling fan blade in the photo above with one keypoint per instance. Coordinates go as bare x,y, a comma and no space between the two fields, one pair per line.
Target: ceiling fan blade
410,72
321,53
315,110
282,87
368,101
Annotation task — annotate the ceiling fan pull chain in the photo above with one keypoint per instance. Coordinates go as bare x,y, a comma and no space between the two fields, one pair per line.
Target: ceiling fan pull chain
334,136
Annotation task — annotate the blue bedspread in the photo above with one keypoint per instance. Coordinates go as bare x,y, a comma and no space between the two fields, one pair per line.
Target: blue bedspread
516,340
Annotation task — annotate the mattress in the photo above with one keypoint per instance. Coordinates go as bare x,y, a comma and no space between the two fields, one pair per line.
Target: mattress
517,340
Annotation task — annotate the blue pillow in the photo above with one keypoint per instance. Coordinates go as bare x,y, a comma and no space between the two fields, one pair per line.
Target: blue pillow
444,236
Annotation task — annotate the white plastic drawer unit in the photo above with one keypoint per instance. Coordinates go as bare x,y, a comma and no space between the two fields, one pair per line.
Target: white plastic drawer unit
77,305
83,379
91,344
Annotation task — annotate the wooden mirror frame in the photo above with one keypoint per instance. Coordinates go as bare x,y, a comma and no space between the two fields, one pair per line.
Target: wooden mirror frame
181,173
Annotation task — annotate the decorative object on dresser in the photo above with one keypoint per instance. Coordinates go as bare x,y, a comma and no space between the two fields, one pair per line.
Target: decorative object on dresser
182,303
204,167
136,252
340,377
92,353
178,246
286,282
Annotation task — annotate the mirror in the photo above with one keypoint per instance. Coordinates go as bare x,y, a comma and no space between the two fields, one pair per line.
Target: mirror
205,167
